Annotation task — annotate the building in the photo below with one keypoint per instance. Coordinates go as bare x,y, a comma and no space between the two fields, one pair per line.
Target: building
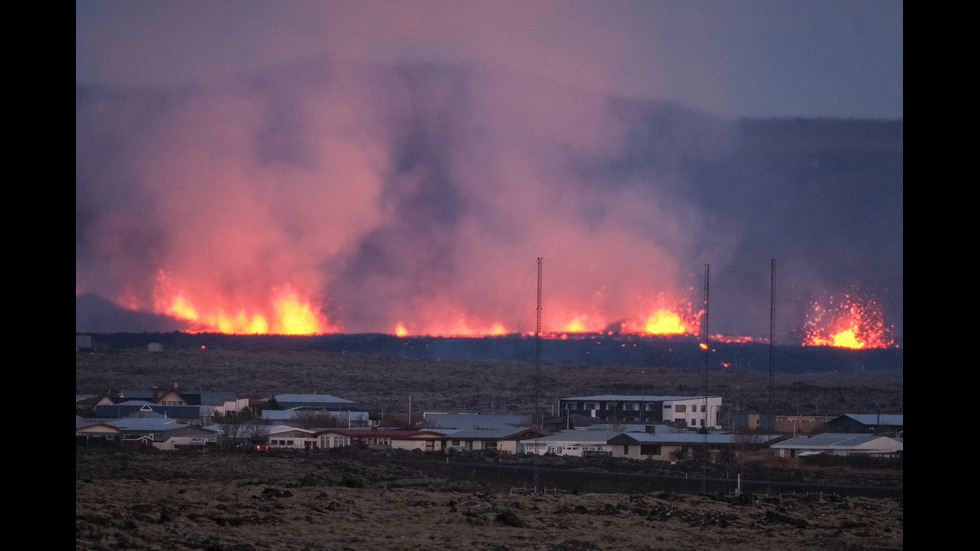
839,444
786,424
673,446
867,423
576,443
381,439
688,411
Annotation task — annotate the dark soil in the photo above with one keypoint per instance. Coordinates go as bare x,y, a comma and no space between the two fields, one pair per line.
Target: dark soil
359,500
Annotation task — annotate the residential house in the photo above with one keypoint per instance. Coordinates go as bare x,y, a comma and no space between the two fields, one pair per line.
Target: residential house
684,445
575,442
839,444
183,436
346,412
139,407
502,439
312,417
89,432
381,439
459,421
287,437
161,432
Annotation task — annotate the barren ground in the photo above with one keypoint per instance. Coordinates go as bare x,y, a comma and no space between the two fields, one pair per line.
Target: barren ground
251,501
356,502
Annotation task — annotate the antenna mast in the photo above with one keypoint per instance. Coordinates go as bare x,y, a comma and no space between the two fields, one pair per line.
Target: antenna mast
772,336
705,346
537,357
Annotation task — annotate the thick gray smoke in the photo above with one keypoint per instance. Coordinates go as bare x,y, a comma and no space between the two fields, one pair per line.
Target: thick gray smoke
422,194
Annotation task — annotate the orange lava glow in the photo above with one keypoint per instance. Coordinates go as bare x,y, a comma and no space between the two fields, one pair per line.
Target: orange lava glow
460,328
850,323
283,312
665,322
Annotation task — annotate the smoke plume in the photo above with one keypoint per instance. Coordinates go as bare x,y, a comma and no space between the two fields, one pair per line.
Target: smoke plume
420,195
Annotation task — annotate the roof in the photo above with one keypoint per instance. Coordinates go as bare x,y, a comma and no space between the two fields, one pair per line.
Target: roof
579,436
474,421
504,433
692,438
632,427
280,429
635,398
838,441
212,397
310,399
83,422
146,424
382,433
293,414
875,419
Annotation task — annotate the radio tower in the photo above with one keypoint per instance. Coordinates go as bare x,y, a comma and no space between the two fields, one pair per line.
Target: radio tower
772,336
705,345
771,417
537,358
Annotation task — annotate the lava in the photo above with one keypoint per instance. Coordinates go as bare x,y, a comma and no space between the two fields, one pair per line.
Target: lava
851,322
281,311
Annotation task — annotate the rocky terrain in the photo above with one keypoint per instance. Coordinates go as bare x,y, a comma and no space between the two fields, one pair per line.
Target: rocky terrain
356,501
362,501
389,383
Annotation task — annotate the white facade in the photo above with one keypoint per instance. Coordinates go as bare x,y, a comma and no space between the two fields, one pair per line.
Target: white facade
692,411
576,443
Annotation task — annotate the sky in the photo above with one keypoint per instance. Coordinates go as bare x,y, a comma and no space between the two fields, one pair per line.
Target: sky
752,58
369,165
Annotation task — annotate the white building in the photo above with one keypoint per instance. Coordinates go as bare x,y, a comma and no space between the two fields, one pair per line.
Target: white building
576,443
691,411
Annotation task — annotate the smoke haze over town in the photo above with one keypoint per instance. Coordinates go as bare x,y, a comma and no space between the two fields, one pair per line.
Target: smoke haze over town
362,167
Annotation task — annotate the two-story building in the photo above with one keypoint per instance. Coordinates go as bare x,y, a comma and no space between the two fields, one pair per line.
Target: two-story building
690,411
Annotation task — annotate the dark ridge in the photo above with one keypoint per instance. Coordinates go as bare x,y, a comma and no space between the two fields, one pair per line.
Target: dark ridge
587,350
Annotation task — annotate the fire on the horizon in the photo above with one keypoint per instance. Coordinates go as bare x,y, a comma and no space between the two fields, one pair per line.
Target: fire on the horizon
851,322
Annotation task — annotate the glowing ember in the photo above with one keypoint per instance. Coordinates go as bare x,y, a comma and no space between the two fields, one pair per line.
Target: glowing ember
850,323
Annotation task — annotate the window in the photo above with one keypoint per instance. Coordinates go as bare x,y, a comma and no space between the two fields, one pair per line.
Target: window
649,449
681,408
